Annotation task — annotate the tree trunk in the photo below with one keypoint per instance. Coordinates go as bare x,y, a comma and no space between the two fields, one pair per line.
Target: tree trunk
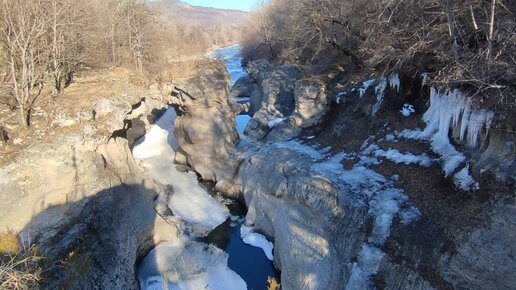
451,27
491,32
24,116
473,18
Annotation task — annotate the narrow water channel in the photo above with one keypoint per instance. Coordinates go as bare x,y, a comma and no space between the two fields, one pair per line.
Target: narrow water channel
220,260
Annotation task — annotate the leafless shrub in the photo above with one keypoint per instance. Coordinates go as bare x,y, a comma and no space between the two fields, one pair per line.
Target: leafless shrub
462,43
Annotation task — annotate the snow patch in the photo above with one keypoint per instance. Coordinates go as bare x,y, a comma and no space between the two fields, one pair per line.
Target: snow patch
274,122
409,215
256,240
367,265
464,180
391,138
405,158
366,186
189,201
183,264
407,110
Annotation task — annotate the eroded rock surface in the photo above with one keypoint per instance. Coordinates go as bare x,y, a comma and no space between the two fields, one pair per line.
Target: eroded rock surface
273,96
205,125
299,209
360,225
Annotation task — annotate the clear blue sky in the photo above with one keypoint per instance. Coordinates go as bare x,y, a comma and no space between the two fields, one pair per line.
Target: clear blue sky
245,5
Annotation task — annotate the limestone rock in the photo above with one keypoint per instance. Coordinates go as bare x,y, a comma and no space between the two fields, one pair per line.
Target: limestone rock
205,127
312,103
298,208
273,98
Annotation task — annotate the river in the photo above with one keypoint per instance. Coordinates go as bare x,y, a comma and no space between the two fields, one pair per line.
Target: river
212,253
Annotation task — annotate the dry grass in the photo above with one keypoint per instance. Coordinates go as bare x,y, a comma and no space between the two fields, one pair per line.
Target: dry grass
273,284
19,267
9,243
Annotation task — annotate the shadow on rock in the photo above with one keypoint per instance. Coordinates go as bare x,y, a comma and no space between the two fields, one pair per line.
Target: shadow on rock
98,240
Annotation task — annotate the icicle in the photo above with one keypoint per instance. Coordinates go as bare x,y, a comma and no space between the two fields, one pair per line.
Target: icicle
424,78
447,109
394,82
380,92
464,123
365,86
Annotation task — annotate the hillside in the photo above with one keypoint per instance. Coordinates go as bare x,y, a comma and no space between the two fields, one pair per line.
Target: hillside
172,11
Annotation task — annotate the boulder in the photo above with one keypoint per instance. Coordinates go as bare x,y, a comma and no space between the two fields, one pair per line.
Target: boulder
299,210
205,126
243,88
312,103
273,97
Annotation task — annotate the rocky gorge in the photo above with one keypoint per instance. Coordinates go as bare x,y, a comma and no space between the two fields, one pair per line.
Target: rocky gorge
354,195
375,184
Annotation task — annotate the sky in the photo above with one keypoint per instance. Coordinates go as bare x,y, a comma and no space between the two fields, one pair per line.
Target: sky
245,5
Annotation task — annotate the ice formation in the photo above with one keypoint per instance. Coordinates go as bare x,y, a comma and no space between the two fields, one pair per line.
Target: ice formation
424,79
189,201
365,86
407,110
447,109
380,92
464,181
274,122
257,240
394,81
340,96
451,108
184,264
405,158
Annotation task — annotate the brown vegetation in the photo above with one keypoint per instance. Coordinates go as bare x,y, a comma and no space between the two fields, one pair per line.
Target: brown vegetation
462,43
19,267
44,43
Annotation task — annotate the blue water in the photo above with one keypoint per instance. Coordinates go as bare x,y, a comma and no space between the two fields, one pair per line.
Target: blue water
232,59
248,262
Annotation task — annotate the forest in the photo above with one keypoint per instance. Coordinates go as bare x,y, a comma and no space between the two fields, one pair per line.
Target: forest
468,44
45,43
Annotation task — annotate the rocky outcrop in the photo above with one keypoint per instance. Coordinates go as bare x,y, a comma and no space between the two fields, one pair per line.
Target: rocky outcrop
312,103
300,210
326,230
205,123
82,199
273,96
281,102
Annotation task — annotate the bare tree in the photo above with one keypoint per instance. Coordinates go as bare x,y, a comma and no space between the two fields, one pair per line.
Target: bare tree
22,29
65,39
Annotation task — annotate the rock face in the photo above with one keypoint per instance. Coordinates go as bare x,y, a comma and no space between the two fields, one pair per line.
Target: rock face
243,88
205,125
299,209
281,102
273,96
83,200
353,234
312,103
